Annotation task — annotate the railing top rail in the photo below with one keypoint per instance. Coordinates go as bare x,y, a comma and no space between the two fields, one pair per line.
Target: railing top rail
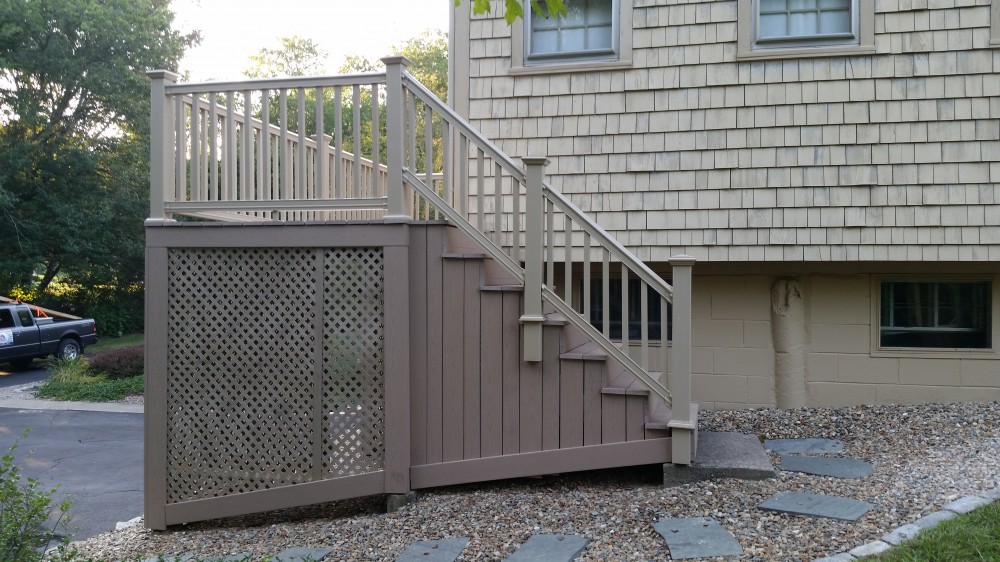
428,97
614,246
277,83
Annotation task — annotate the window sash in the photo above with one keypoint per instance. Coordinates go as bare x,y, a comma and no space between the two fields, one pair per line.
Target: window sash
805,21
590,30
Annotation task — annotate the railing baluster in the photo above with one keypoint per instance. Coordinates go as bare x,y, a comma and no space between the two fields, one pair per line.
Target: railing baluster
515,220
568,261
664,339
285,172
180,174
550,240
606,294
625,311
644,324
299,189
202,187
428,153
463,175
230,179
246,165
322,155
586,275
356,133
267,180
498,205
338,142
480,185
195,164
215,159
376,144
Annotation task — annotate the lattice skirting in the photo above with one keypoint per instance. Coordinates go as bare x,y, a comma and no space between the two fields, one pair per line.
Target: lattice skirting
275,368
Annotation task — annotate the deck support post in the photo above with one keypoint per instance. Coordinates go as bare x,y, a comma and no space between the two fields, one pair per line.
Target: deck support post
161,150
397,194
682,423
532,318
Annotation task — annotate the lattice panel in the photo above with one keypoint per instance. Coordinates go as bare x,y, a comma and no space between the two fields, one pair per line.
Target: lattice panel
353,362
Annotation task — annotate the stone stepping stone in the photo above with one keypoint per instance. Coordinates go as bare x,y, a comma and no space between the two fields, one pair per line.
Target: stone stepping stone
302,554
697,537
241,557
817,505
826,466
444,550
549,548
807,445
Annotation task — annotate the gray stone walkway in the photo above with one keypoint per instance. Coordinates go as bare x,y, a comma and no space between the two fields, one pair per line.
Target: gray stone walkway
837,467
817,505
697,537
443,550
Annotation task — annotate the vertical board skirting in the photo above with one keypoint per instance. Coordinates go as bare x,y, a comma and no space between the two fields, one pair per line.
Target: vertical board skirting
593,381
418,345
571,404
511,372
613,418
435,346
453,360
155,419
531,405
551,336
472,326
491,385
397,367
635,420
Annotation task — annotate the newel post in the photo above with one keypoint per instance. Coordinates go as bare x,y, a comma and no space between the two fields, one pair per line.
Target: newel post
682,423
534,170
161,133
399,201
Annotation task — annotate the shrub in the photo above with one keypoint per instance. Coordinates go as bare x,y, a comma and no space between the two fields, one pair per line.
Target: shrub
75,380
24,509
120,363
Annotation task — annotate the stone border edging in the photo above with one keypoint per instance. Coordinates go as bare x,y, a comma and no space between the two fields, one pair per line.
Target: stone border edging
114,407
901,534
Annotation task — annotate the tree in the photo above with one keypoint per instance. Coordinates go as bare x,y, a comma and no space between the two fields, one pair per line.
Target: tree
514,9
74,127
297,56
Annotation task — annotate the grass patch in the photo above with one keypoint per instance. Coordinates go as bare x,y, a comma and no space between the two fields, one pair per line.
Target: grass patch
75,380
971,537
106,343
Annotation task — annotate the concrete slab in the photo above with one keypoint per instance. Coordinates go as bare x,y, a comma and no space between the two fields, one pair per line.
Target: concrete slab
302,554
836,467
817,505
697,537
444,550
723,455
966,504
549,548
806,445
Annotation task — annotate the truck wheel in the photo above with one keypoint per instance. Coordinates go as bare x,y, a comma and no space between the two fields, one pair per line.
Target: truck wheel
69,349
22,363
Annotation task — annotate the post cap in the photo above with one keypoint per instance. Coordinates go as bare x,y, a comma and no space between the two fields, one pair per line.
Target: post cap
163,75
396,59
535,160
683,259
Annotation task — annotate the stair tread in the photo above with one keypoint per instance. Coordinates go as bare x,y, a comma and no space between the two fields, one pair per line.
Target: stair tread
512,288
625,383
659,418
555,319
588,351
464,255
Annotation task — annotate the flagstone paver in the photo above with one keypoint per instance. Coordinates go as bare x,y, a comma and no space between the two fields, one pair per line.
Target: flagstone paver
807,445
817,505
549,548
443,550
697,537
302,554
837,467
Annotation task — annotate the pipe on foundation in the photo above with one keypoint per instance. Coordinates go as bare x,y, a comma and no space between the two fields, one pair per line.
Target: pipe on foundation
788,329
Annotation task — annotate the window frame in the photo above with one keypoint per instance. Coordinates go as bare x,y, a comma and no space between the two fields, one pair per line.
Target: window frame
878,350
521,63
861,40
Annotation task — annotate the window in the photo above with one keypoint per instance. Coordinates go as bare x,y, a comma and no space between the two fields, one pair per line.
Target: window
788,28
587,31
25,316
6,319
935,314
593,34
634,309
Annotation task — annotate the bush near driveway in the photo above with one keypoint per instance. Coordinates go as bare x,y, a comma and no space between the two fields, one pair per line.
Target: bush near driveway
120,363
107,376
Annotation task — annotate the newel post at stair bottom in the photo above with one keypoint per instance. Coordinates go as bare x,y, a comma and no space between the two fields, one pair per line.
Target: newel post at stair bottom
161,146
397,194
532,318
681,423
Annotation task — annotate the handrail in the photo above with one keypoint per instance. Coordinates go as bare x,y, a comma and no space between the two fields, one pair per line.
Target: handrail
292,83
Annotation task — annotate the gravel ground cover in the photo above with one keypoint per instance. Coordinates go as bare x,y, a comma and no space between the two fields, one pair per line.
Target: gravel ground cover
923,457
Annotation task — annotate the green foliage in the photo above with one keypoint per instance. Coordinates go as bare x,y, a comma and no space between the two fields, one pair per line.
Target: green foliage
974,536
74,123
24,509
121,363
297,56
514,9
74,380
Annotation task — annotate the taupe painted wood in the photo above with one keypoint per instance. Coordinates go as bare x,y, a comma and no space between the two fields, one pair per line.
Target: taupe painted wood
397,367
593,381
156,361
550,386
276,498
472,327
453,361
613,418
571,404
635,417
435,349
418,345
531,404
511,372
273,235
491,386
652,451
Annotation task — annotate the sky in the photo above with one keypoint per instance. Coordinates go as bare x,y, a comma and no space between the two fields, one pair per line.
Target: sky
232,30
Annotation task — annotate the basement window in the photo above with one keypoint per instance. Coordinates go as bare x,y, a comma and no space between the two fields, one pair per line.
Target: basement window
935,314
634,310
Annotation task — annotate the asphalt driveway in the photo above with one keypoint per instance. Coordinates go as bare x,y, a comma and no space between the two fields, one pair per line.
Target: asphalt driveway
95,458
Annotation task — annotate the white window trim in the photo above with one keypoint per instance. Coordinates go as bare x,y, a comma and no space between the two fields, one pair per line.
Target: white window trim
862,40
520,65
934,352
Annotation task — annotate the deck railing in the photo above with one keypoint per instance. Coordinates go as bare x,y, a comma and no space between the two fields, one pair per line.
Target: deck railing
229,150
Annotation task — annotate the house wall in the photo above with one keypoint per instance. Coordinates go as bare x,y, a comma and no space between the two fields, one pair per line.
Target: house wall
891,155
734,359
